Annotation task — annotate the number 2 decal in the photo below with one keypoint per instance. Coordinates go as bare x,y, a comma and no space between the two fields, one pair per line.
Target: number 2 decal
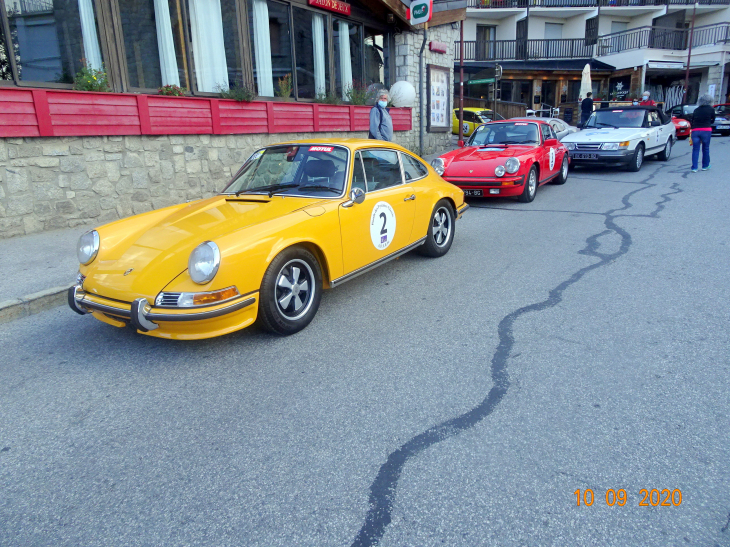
382,225
383,230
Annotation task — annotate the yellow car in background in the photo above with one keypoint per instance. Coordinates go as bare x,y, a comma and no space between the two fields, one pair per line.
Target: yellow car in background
473,118
297,218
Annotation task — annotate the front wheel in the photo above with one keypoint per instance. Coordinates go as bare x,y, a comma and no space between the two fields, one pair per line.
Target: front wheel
440,231
563,175
664,154
290,292
637,160
528,194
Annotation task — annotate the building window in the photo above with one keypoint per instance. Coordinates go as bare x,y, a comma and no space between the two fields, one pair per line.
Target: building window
573,91
271,37
51,37
348,47
376,71
310,47
6,68
153,43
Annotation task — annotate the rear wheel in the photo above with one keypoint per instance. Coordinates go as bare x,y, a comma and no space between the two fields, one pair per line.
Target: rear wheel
664,154
563,174
637,160
440,231
528,194
290,292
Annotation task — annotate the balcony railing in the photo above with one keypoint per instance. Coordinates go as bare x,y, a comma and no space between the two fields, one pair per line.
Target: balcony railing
608,44
487,4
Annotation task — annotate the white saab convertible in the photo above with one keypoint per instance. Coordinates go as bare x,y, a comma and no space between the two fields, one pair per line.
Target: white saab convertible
622,135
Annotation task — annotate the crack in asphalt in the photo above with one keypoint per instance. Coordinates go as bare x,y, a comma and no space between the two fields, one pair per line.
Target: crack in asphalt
383,488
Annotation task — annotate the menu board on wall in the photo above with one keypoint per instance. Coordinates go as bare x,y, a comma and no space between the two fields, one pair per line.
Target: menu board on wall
439,98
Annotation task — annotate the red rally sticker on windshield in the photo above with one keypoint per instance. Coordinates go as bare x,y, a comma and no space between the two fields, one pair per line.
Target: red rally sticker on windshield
321,148
616,110
520,123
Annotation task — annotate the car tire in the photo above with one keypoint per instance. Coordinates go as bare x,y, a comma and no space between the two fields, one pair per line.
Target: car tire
637,160
725,133
563,173
441,229
283,308
664,154
530,190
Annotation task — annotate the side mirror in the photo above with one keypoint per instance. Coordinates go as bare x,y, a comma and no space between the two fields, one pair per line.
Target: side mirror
461,144
356,196
551,142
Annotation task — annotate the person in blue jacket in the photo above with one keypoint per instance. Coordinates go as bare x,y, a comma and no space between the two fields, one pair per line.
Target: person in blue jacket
381,124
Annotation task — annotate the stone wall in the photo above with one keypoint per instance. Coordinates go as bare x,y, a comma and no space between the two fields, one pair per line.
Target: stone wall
408,46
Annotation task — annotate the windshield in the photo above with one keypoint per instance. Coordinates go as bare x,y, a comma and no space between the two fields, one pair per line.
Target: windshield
487,116
505,133
301,170
617,118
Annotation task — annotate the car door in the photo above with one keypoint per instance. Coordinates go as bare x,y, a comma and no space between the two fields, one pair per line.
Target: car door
382,223
548,154
658,134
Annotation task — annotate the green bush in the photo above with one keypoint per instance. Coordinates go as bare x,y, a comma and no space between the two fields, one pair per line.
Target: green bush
328,98
91,79
241,93
173,90
285,86
358,93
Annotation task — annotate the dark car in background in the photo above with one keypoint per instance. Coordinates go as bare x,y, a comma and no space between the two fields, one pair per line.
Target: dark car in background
722,116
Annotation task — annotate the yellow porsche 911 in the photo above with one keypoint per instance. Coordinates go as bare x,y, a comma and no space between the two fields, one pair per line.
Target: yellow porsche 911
297,217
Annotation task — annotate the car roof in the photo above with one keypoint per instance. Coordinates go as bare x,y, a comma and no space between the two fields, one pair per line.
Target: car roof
535,120
474,109
632,107
352,144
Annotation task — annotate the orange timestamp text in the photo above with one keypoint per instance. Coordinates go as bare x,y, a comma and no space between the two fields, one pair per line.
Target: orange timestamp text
649,498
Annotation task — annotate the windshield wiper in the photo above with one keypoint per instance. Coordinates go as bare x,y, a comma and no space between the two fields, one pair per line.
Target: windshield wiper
607,124
319,187
518,142
271,188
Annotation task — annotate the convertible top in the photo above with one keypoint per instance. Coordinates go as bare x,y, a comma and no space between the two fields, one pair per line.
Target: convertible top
662,115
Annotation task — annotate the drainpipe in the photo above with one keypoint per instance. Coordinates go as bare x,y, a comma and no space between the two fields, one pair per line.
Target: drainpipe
689,55
421,85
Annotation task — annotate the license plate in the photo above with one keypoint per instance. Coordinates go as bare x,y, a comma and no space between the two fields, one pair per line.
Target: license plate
723,127
473,193
585,156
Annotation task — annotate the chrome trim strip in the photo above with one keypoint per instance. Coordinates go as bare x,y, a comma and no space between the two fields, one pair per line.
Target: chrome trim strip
379,262
461,211
104,308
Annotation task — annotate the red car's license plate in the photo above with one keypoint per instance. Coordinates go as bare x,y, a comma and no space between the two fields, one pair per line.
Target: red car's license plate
473,193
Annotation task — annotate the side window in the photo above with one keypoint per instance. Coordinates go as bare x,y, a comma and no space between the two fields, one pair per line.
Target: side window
652,117
545,131
412,168
358,177
382,169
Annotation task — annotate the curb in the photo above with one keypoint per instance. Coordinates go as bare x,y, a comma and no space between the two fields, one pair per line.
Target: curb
10,310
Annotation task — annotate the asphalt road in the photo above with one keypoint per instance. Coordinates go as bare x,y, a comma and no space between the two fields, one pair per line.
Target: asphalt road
577,342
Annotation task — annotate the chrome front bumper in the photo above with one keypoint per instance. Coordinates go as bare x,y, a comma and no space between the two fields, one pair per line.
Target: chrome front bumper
140,313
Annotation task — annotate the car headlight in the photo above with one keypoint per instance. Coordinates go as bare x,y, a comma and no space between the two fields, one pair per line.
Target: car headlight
88,247
203,262
438,165
569,145
499,170
512,165
683,124
609,146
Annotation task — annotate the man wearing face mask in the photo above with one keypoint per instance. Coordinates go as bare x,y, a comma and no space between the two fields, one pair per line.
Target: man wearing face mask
381,124
635,102
646,101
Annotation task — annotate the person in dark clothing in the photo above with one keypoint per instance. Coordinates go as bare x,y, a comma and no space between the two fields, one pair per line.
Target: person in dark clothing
586,108
702,119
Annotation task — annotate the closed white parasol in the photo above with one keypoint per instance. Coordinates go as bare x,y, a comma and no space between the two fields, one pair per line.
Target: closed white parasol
585,81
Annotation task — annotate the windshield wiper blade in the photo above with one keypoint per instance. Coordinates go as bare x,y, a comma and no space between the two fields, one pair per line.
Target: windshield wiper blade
319,187
607,124
518,142
271,189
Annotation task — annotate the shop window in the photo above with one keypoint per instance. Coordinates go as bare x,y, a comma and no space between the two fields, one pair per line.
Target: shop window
215,44
6,72
573,91
153,43
51,37
271,40
348,46
310,46
376,72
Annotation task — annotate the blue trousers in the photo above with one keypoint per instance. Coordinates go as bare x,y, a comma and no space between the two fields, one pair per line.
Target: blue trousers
701,138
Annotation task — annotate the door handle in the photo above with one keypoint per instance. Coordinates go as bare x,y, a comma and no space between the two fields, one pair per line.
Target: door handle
409,198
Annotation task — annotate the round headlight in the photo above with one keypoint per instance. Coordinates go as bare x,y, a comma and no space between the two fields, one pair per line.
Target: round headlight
88,247
203,263
512,165
499,170
438,165
569,145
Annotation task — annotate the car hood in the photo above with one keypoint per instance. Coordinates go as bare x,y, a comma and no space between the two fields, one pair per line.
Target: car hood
607,134
473,160
156,255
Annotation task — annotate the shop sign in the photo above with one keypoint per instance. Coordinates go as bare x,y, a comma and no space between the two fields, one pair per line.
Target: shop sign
421,11
619,87
438,47
438,79
342,8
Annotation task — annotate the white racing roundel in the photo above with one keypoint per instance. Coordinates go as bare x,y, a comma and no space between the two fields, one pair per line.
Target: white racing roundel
382,225
552,158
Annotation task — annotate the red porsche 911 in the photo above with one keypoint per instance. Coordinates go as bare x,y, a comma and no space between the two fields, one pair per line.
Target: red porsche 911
506,158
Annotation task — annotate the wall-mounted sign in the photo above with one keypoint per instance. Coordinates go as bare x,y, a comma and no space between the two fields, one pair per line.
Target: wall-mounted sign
421,11
619,87
439,113
332,5
438,47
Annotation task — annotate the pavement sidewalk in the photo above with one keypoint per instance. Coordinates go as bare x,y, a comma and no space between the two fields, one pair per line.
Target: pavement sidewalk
36,270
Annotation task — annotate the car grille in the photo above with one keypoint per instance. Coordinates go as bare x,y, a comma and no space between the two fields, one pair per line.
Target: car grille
167,299
591,146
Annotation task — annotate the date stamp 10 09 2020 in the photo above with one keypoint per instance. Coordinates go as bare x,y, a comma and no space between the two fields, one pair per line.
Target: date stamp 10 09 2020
649,498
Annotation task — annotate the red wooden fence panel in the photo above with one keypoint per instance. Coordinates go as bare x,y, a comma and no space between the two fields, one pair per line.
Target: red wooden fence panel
47,113
17,115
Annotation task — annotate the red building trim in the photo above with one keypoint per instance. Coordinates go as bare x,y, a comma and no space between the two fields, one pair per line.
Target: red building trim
56,113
